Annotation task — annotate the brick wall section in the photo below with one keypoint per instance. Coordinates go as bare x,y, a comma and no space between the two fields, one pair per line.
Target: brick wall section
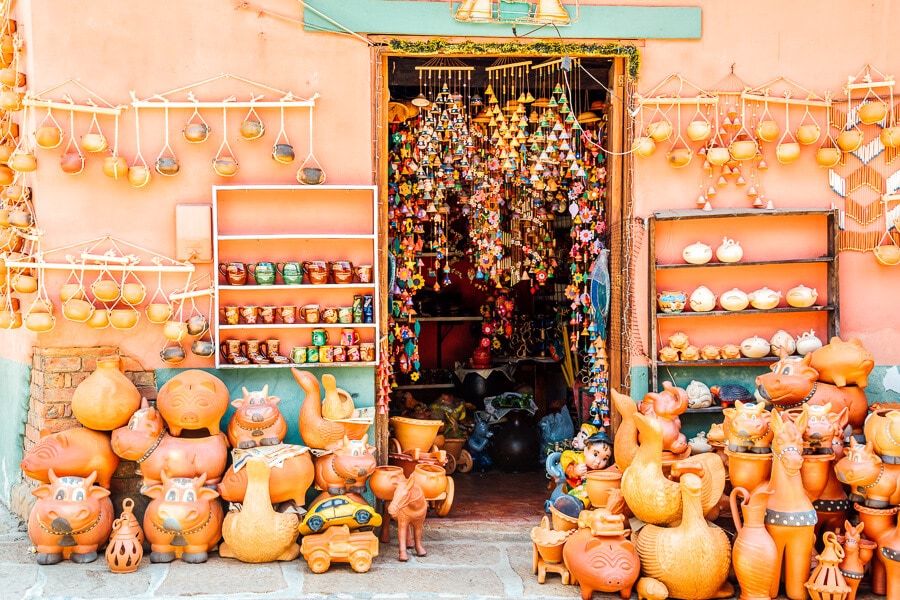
56,372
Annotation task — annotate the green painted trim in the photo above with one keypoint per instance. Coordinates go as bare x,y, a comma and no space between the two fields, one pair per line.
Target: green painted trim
15,397
398,17
612,50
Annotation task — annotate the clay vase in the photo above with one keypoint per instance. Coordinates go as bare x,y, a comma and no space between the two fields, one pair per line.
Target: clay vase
754,551
415,433
125,549
599,483
385,480
815,473
879,524
747,469
516,444
107,398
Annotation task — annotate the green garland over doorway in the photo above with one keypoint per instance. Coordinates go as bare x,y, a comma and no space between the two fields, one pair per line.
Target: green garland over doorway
439,46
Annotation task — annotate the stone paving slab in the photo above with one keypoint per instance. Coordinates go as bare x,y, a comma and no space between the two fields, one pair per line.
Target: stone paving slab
221,576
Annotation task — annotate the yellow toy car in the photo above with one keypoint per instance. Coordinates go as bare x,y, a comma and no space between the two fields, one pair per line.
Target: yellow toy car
338,510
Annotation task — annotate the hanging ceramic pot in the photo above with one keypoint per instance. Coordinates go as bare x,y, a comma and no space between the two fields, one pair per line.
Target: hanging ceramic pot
195,130
767,130
94,140
77,310
123,318
829,156
99,319
115,166
11,77
166,162
72,160
107,398
659,131
22,161
282,151
643,146
252,126
850,140
699,130
872,111
890,136
48,134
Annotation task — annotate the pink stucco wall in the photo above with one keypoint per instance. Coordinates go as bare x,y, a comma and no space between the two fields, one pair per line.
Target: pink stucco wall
115,48
817,45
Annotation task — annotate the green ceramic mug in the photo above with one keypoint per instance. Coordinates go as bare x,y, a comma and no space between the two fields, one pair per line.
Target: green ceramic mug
291,272
263,272
319,337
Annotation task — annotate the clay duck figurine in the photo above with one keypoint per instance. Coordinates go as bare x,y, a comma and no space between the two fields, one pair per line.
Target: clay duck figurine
691,559
316,430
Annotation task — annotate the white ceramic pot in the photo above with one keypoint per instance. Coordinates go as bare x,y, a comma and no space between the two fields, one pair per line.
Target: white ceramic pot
801,296
764,298
730,251
697,254
782,340
702,299
808,342
755,347
734,299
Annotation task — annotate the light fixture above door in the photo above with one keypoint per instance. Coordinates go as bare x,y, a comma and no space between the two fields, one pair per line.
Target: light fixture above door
540,12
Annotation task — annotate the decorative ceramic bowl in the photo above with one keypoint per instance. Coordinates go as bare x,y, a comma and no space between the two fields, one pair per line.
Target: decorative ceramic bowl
671,301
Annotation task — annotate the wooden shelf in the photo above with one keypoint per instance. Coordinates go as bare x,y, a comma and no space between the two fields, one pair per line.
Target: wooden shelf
756,263
743,313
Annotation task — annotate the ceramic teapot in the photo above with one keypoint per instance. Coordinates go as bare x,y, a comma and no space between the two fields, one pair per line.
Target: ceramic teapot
755,347
697,254
730,251
807,342
734,299
801,296
764,298
702,299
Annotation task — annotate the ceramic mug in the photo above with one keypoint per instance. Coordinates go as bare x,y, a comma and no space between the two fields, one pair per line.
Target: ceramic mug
310,313
298,354
345,314
363,273
263,272
288,314
235,273
267,314
319,337
232,314
342,271
316,271
340,353
357,308
312,354
330,315
291,272
353,353
250,314
368,309
367,351
349,337
326,354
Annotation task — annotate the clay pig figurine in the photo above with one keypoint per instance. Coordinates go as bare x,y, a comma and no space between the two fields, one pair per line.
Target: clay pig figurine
183,519
257,420
193,399
843,362
70,520
76,452
601,558
146,441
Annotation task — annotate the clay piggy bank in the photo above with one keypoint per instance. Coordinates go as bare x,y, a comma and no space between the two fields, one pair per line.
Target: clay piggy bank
75,452
183,519
667,405
600,558
70,520
747,427
843,363
257,420
793,381
193,400
146,441
347,468
290,475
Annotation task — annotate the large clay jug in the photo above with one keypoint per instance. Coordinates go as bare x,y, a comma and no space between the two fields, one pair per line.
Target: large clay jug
754,551
517,444
107,398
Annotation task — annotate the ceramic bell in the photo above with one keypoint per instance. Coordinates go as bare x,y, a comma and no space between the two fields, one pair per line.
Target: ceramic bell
697,254
702,299
730,251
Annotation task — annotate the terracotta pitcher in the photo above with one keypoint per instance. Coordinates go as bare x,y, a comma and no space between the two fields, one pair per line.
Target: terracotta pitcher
753,554
107,398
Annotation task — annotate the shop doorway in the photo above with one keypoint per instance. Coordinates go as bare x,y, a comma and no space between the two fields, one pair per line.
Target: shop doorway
503,201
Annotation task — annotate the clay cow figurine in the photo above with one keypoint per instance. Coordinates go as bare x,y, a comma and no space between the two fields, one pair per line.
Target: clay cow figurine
71,518
146,441
76,452
823,427
193,400
872,482
882,428
747,427
257,420
346,468
183,519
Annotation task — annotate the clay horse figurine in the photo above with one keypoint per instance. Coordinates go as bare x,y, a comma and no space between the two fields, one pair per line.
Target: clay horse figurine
408,508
